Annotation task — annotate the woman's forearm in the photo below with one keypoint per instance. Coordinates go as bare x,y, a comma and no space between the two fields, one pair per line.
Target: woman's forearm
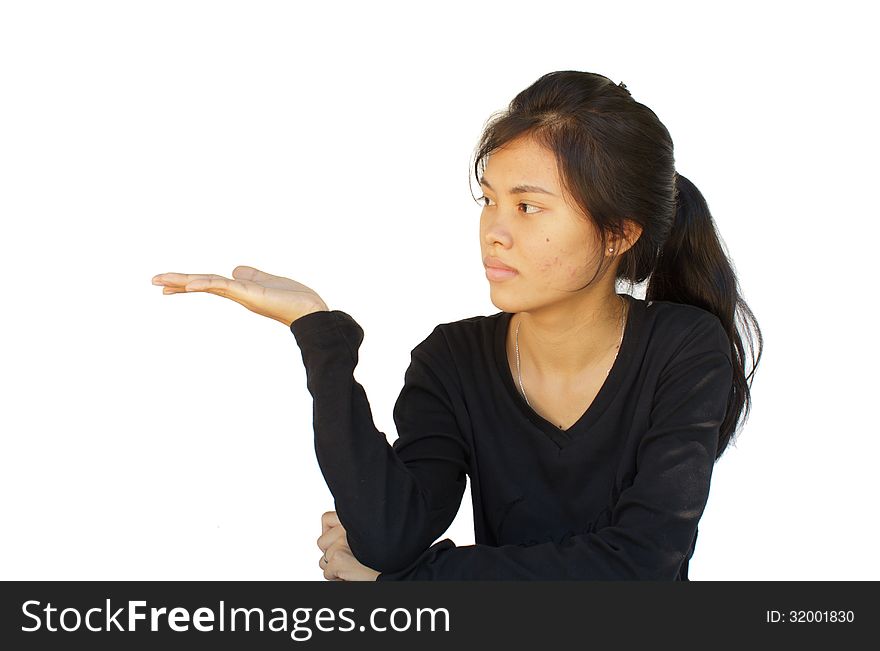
388,512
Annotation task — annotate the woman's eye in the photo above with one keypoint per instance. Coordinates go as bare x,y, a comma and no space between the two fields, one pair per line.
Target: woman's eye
486,201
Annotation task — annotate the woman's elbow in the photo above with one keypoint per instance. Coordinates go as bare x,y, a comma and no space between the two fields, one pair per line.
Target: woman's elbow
389,551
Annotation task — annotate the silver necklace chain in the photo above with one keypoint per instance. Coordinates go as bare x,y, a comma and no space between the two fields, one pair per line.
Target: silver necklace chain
516,343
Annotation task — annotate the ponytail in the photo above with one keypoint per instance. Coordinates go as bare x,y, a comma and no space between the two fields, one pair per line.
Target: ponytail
693,268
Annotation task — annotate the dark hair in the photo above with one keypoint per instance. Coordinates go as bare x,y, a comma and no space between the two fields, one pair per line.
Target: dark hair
616,162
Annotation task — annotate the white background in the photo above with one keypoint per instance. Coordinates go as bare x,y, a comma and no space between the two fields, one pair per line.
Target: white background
169,437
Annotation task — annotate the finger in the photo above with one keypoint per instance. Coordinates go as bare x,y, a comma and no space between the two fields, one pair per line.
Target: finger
237,290
338,565
208,282
173,289
176,278
329,537
329,573
245,272
329,520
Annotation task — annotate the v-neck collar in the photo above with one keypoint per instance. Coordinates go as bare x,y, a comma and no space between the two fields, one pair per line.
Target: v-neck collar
606,393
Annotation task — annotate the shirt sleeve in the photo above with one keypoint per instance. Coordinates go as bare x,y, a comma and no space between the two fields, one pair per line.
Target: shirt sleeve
655,519
393,501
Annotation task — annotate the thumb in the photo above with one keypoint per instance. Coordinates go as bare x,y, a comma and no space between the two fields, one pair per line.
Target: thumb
244,272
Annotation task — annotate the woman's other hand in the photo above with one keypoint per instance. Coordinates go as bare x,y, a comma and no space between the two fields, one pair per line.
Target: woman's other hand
338,563
276,297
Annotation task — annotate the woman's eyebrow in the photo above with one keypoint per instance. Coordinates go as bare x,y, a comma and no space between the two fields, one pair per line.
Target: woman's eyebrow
520,189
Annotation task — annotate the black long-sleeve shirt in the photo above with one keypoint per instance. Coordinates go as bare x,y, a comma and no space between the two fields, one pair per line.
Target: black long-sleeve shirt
618,495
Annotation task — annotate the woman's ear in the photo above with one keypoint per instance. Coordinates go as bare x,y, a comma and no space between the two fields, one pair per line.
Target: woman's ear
632,233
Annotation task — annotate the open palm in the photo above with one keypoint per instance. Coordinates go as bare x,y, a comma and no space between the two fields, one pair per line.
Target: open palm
276,297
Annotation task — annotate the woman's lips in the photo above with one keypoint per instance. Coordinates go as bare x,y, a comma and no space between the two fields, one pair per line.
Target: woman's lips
497,270
494,273
492,261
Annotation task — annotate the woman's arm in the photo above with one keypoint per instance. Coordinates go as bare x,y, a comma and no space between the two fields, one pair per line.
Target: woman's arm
393,501
655,519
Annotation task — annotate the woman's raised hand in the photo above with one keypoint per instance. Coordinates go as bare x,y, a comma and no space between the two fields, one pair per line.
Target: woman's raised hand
276,297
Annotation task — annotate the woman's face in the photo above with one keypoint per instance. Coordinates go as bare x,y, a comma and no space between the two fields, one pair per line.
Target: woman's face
548,240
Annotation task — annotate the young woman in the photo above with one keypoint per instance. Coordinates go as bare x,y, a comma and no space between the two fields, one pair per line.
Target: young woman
588,421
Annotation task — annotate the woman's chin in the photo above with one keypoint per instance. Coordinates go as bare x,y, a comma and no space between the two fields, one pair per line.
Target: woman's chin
505,304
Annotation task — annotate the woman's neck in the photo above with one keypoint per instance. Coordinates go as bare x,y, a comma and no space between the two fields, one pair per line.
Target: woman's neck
559,343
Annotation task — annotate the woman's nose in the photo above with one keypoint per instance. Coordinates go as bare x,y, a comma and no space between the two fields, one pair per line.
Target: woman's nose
496,233
497,225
